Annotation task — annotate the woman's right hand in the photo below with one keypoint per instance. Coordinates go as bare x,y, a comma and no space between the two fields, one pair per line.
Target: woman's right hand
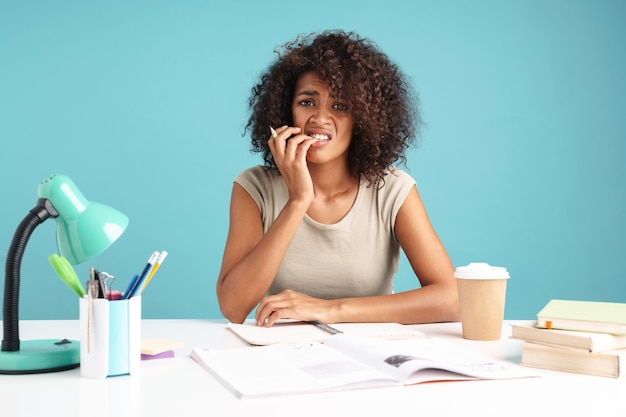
289,149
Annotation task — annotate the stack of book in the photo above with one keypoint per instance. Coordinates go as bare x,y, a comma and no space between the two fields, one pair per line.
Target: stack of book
585,337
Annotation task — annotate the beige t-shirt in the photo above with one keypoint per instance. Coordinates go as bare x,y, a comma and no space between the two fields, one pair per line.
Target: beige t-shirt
357,256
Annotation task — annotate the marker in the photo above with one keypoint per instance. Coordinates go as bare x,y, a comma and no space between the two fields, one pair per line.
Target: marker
142,277
153,271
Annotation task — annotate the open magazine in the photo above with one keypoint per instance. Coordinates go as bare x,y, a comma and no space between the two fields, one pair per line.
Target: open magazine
347,362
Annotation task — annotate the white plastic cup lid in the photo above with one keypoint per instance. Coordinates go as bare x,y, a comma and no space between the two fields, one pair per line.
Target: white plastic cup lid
481,270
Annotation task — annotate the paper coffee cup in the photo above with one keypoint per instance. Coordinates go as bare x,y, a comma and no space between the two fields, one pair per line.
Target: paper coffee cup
482,293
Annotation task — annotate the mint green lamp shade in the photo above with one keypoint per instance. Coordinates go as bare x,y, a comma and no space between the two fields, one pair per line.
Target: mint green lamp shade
84,230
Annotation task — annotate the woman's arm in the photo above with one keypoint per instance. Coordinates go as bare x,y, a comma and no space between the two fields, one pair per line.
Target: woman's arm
435,301
251,259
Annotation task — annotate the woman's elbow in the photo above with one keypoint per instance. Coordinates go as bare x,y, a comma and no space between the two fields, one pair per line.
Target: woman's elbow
231,309
234,315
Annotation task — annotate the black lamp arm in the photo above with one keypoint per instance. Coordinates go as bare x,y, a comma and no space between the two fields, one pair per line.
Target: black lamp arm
10,320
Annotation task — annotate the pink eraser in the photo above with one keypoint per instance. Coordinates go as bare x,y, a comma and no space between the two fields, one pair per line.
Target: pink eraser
114,295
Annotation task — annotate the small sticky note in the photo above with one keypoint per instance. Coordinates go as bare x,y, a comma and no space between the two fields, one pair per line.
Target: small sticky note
156,346
162,355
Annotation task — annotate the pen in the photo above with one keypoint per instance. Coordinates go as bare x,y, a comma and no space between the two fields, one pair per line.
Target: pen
325,327
131,285
274,134
154,269
142,277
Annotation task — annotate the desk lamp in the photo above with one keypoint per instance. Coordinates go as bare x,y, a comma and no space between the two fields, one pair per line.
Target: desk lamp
84,229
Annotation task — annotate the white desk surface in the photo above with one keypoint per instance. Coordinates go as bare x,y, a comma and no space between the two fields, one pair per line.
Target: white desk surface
180,387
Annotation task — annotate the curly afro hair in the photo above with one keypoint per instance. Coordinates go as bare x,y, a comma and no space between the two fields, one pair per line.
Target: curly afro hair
383,104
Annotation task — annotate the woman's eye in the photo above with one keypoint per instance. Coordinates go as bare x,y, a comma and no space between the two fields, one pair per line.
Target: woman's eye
340,107
306,103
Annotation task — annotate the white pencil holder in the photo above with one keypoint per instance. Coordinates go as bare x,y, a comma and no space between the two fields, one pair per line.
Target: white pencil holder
110,337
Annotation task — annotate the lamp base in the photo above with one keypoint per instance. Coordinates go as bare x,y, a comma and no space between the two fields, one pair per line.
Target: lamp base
41,356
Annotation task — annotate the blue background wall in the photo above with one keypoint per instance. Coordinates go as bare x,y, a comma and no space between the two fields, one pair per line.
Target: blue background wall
143,103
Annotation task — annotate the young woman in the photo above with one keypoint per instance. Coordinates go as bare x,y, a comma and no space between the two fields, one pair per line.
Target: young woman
315,233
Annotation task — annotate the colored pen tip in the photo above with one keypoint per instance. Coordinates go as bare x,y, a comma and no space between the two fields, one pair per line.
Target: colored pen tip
274,134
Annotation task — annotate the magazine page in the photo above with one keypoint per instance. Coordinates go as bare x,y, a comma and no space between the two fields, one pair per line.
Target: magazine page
408,360
287,368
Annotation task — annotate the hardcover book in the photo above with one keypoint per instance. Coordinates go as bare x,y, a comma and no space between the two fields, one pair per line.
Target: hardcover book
588,341
591,316
608,363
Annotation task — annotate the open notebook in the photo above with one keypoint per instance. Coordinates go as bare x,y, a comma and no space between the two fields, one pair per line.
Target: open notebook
294,331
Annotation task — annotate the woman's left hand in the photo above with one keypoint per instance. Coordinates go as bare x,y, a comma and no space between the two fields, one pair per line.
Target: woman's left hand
290,304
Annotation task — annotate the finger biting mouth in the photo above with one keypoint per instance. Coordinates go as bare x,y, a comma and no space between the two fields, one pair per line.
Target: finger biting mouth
320,137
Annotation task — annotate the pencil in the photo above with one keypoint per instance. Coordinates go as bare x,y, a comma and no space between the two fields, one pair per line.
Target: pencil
142,277
154,269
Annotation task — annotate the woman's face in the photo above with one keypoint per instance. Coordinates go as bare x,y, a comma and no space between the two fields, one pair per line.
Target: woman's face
323,117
